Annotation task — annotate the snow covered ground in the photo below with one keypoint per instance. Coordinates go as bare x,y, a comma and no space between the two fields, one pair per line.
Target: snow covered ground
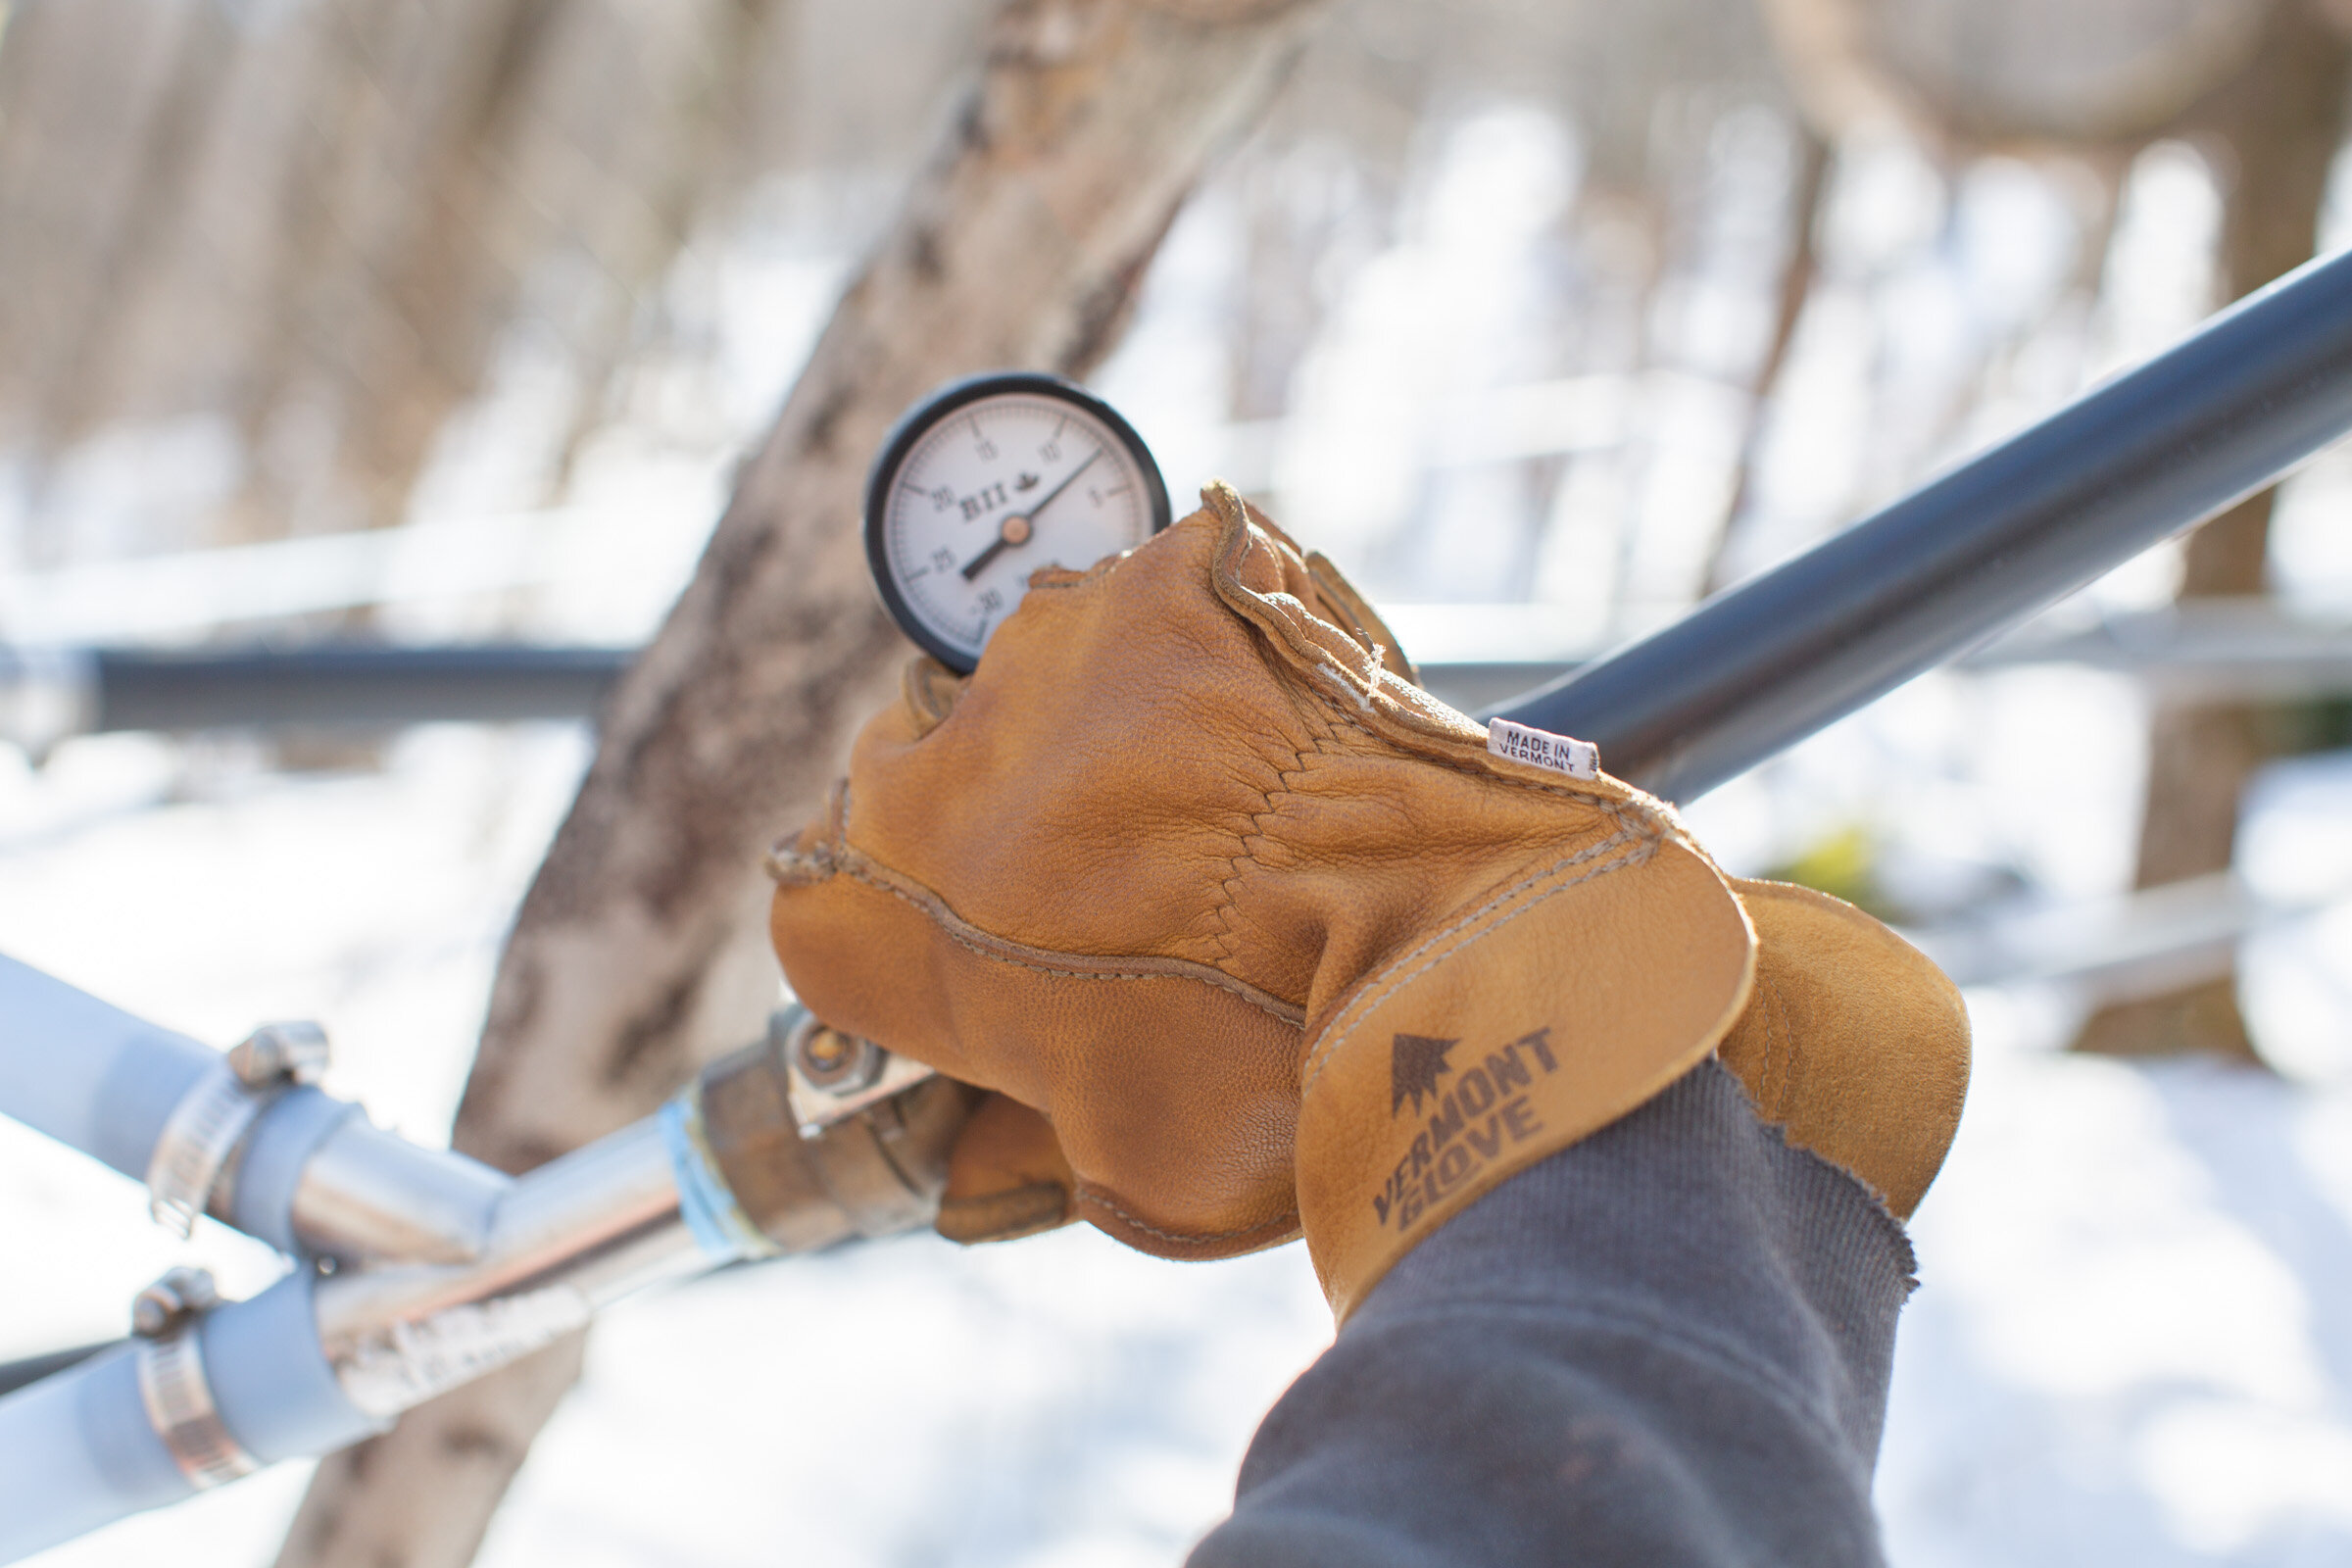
2133,1343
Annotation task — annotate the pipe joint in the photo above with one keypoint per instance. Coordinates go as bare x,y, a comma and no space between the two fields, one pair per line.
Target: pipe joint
202,1135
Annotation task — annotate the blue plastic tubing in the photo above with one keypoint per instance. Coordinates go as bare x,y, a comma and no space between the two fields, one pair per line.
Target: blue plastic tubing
76,1451
89,1075
93,1077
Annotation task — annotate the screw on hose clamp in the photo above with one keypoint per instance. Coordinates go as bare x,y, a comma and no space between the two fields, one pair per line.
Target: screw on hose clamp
831,1076
279,1054
172,1384
180,1295
203,1129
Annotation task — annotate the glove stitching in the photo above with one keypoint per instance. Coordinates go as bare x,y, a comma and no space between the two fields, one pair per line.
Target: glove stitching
1339,683
1230,888
1088,1193
1319,1056
1276,617
1318,723
853,864
1476,766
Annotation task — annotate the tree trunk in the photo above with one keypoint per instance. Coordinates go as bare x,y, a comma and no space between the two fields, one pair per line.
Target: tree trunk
638,951
2281,121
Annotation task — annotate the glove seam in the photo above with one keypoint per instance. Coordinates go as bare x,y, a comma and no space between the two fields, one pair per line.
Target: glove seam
1088,1193
851,862
1420,736
1474,765
1230,889
1380,986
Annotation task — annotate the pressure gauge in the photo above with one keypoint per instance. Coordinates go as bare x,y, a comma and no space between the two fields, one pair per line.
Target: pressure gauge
989,479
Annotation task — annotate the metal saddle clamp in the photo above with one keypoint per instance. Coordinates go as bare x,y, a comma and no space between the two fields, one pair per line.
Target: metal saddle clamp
203,1131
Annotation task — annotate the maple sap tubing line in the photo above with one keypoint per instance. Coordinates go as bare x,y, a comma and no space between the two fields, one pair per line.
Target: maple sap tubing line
81,1454
351,686
80,1451
88,1074
2252,393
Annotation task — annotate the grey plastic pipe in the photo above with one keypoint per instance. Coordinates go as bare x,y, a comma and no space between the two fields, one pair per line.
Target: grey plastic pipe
474,1269
80,1453
88,1074
77,1449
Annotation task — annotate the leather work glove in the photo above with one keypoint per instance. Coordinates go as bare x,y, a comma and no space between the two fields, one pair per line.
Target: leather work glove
1267,940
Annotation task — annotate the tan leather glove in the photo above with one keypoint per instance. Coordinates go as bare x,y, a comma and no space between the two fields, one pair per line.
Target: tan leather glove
1272,939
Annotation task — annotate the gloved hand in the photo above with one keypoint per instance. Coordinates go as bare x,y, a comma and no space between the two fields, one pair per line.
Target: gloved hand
1273,942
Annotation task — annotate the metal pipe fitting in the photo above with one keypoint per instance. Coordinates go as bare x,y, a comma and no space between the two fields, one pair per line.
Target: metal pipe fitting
725,1171
366,1195
805,1174
563,1240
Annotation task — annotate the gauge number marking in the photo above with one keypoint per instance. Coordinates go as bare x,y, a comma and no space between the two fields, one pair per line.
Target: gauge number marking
1006,499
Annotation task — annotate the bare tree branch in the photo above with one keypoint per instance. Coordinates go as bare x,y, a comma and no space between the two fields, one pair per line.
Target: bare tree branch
637,950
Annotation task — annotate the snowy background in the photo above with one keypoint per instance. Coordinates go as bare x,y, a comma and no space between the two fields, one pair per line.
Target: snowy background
2134,1345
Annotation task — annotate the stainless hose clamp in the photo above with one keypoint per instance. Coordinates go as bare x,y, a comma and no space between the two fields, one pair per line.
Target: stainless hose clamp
178,1397
203,1129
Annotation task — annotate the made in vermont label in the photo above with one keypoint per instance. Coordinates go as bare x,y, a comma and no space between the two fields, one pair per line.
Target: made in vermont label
1562,755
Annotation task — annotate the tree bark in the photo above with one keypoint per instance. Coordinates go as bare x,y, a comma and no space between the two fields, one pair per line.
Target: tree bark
638,951
2281,122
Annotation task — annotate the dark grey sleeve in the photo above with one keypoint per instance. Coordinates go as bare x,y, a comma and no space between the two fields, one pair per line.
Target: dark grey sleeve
1668,1345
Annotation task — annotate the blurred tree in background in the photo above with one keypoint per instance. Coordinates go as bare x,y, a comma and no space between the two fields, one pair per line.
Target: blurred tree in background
319,224
2258,89
1588,308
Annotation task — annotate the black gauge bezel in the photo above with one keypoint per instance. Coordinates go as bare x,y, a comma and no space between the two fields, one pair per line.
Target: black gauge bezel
919,421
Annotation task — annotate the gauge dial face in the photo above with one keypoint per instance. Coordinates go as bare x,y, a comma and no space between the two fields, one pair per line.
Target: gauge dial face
988,481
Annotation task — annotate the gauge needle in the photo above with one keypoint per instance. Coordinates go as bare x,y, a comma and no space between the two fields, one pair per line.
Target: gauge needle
1020,528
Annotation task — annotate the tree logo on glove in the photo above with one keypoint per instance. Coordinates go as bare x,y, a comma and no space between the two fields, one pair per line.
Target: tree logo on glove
1413,1068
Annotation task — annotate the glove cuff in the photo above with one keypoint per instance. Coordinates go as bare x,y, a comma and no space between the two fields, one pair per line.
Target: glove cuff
1553,1006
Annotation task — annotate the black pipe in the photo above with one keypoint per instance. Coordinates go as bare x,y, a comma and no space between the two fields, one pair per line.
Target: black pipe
15,1375
346,686
2258,389
2157,450
334,685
